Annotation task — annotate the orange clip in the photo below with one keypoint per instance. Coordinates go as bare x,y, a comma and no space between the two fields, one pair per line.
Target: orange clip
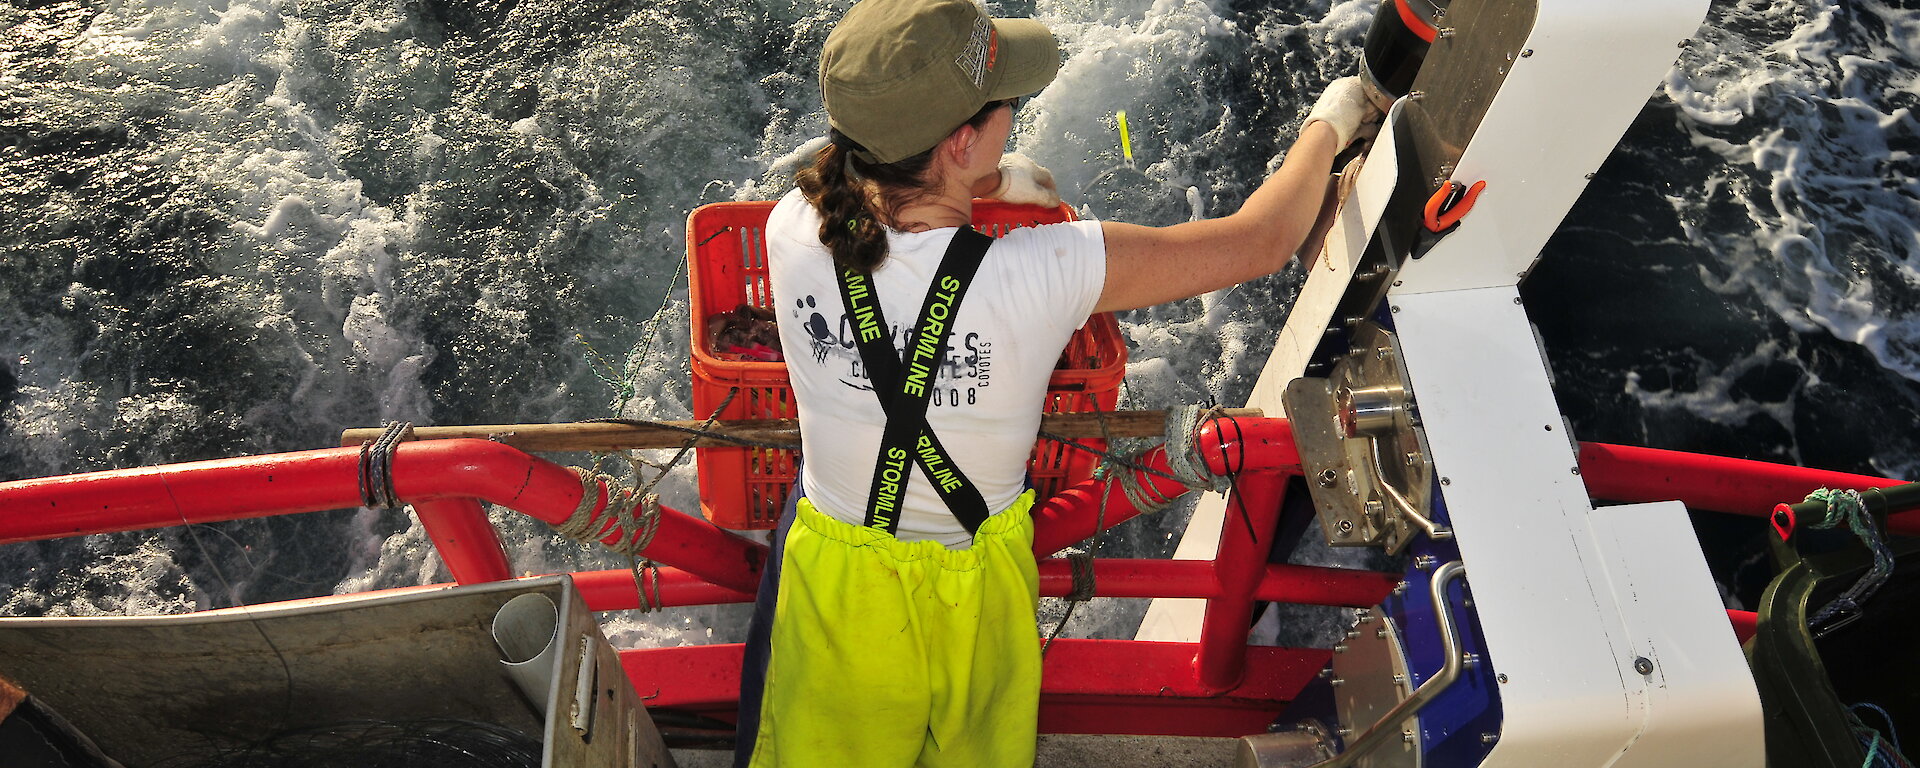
1448,206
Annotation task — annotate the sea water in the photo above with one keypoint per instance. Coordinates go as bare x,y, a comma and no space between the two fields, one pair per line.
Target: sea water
240,227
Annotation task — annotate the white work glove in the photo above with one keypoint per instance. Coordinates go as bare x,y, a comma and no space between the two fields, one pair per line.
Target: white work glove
1345,108
1024,182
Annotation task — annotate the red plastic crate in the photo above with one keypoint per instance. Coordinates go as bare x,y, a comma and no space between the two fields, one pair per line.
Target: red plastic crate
746,488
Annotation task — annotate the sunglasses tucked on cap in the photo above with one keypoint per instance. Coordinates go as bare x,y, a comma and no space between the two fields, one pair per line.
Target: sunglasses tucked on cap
900,75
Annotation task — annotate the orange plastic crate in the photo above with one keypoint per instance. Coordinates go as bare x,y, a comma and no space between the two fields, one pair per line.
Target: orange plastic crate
746,488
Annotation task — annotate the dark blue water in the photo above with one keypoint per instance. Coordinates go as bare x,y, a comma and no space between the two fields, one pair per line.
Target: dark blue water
1744,265
243,227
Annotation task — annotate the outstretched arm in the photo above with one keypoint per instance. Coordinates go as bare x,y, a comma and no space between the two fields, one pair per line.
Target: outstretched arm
1153,265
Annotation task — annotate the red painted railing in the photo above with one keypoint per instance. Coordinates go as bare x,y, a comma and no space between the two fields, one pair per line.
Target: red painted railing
1218,686
440,473
1716,483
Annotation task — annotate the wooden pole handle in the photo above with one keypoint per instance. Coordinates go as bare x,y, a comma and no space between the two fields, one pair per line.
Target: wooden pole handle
620,436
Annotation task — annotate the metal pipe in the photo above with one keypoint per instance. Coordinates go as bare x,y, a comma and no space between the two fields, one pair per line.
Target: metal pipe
1230,444
312,481
1075,513
1302,584
1238,566
614,590
1227,446
1449,671
468,543
1890,500
1314,585
1735,486
1089,686
1746,624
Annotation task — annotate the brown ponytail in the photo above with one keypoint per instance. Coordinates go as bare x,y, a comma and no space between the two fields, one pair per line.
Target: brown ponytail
856,209
849,229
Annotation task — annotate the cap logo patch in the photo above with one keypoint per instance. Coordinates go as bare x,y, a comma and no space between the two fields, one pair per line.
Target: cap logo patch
977,57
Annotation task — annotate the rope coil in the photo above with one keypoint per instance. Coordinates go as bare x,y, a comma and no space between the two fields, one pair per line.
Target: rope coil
376,466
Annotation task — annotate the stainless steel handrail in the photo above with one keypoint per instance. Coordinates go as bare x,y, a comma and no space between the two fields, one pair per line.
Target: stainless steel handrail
1433,530
1449,671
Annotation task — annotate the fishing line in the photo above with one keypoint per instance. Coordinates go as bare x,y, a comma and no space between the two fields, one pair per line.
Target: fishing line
286,670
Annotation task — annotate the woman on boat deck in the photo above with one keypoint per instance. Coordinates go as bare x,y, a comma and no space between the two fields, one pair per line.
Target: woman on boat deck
895,625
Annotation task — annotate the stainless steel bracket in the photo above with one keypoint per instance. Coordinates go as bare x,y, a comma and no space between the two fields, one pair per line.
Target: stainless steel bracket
1361,446
1389,724
1371,677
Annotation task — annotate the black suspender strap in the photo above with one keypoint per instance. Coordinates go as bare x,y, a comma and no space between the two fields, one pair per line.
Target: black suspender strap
904,386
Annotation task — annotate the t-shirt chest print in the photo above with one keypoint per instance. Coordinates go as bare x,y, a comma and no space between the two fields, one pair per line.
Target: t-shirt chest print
964,368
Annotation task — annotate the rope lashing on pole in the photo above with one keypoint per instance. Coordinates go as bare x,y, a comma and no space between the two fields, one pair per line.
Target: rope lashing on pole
1183,460
1183,448
631,532
1083,584
376,466
1844,507
1118,468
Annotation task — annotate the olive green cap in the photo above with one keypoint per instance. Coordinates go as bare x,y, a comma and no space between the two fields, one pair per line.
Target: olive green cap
900,75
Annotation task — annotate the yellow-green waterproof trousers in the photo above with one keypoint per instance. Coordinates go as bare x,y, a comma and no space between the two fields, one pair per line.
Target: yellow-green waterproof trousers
890,653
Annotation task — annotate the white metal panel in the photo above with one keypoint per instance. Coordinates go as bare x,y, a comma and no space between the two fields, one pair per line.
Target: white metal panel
1177,620
1547,583
1592,67
1327,282
1702,708
1519,515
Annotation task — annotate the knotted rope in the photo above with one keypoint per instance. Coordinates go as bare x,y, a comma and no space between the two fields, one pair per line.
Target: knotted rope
1121,468
1844,507
630,532
618,527
376,466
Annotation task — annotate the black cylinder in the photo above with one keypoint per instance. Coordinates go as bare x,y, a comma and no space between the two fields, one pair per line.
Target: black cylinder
1397,45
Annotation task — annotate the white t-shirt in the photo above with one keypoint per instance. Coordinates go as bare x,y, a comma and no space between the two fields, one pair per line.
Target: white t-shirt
1035,287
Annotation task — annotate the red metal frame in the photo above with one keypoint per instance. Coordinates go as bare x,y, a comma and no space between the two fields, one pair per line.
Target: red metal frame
310,481
1216,687
1716,483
